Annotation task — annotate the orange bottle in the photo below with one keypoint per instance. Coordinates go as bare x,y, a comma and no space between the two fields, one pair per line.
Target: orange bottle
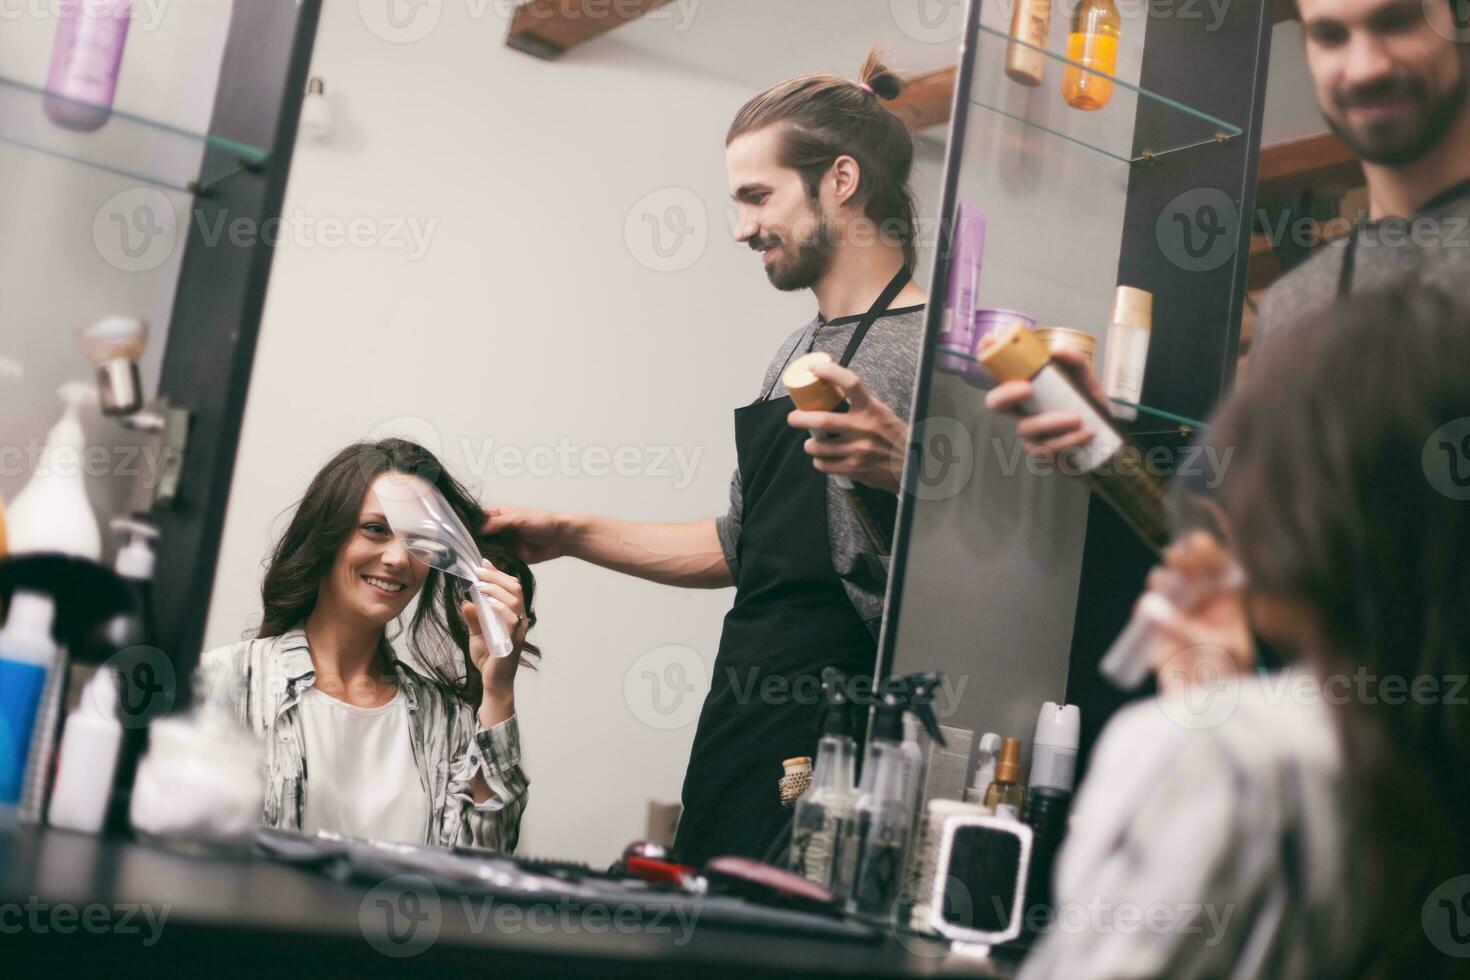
1092,41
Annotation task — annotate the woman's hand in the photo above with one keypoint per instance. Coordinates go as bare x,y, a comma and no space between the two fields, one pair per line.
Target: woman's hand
1210,640
866,442
1048,434
497,674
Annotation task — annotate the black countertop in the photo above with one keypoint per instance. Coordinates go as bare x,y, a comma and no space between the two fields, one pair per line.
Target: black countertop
70,902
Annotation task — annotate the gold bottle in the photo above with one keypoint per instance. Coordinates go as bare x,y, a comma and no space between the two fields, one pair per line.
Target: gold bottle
1093,41
1030,23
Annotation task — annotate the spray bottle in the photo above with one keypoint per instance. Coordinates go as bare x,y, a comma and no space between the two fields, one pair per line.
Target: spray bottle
824,812
878,840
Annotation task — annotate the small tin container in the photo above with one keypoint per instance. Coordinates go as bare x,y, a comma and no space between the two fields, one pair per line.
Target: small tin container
1057,338
992,321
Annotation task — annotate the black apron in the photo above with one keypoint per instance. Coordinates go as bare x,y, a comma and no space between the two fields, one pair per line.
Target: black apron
791,618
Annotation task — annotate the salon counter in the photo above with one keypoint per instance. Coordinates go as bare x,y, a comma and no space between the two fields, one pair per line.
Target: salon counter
71,902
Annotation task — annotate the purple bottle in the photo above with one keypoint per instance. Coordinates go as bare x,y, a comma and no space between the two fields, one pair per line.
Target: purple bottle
84,65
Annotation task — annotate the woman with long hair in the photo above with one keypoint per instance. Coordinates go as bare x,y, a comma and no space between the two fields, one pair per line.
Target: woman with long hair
359,741
1303,823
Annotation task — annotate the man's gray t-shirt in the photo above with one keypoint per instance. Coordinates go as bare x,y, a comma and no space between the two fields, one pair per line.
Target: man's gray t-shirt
887,362
1432,248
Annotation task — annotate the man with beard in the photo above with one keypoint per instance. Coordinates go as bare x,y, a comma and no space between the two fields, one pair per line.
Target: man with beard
1391,80
819,172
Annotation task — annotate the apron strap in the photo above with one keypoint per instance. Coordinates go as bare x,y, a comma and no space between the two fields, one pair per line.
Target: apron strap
1349,266
880,306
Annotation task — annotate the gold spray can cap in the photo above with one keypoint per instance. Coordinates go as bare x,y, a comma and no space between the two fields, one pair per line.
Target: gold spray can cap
809,392
1008,765
1016,355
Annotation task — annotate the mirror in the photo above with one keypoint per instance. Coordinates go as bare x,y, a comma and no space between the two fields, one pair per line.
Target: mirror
530,268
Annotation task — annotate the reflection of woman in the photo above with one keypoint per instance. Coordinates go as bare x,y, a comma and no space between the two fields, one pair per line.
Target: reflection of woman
1300,825
357,741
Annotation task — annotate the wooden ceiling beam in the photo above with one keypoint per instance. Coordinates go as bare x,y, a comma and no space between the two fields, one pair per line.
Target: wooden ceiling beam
550,28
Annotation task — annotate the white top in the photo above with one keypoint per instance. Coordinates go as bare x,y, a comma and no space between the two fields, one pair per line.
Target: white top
1209,839
361,776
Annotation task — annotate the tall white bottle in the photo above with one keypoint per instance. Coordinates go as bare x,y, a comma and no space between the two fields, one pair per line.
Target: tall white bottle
53,513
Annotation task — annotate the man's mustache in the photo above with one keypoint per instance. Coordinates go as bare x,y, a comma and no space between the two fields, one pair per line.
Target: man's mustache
1375,93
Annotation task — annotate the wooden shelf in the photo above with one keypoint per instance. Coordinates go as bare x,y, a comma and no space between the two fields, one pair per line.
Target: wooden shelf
1311,162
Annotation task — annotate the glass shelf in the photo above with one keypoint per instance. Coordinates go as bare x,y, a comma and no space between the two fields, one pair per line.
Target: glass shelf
127,144
1108,130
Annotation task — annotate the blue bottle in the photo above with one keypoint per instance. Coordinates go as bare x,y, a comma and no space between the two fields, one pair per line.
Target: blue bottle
27,655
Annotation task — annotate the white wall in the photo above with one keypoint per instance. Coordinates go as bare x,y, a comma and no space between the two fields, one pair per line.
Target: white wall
532,317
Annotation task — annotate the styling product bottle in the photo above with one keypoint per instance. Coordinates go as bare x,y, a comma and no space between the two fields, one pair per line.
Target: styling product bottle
89,748
1046,815
1030,22
1126,354
824,812
956,342
1005,796
53,513
1093,43
27,657
811,394
984,769
882,823
85,62
1111,464
1054,751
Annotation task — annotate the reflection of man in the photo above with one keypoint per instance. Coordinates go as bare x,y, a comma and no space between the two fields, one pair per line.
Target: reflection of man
819,171
1393,87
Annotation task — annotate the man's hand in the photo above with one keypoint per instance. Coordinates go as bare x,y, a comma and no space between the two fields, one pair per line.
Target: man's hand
1049,434
537,535
866,443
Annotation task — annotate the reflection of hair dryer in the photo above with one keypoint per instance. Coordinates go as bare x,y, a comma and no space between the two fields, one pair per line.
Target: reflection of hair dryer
428,527
811,394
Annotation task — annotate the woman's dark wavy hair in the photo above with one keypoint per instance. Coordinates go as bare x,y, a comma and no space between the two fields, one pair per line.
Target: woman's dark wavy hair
824,117
325,519
1337,498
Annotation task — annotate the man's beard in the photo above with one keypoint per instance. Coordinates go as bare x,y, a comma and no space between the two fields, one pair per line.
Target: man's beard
809,264
1396,144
